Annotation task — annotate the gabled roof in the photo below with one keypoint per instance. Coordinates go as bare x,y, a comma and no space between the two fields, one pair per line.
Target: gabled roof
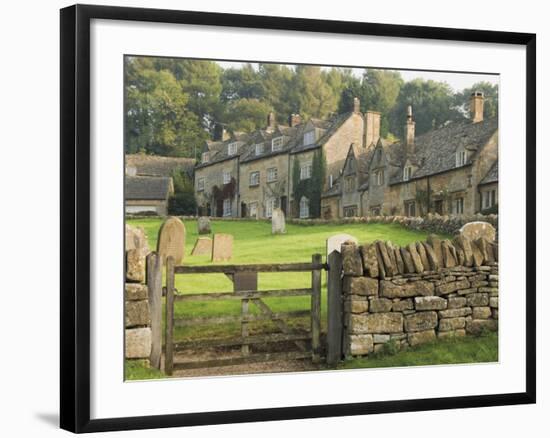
218,150
329,126
492,175
138,188
154,165
262,136
434,151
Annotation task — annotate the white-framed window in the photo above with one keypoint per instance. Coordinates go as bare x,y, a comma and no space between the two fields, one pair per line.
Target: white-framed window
226,176
330,182
460,158
309,138
231,148
304,207
272,174
379,177
277,144
259,149
305,171
270,204
205,157
489,198
253,209
407,173
200,184
458,206
254,179
227,207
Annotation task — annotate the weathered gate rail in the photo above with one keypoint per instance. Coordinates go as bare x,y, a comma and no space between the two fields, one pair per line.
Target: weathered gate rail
246,297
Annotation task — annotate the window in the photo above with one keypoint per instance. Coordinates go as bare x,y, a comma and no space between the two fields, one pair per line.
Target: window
259,149
272,174
254,178
379,177
270,204
304,207
349,184
226,177
205,157
309,138
330,181
489,198
350,211
410,208
407,173
375,211
227,207
458,206
460,158
305,171
253,209
231,148
277,144
200,184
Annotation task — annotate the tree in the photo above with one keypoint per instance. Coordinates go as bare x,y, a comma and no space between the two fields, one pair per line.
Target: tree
158,120
247,115
316,98
279,89
241,83
432,103
183,200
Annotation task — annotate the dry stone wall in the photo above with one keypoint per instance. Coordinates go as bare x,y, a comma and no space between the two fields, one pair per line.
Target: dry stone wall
415,294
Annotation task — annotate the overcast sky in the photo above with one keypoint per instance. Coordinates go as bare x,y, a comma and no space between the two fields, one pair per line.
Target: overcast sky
458,81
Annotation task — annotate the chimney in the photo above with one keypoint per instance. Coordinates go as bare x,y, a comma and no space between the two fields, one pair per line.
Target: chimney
294,120
356,105
220,133
372,128
271,122
476,107
409,130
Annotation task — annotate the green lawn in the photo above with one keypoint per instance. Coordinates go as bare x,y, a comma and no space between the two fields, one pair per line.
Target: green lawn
468,349
254,243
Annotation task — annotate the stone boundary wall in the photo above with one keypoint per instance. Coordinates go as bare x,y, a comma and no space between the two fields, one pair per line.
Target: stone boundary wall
410,295
433,223
137,316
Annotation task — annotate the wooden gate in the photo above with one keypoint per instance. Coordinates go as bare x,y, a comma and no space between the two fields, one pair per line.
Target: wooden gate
304,344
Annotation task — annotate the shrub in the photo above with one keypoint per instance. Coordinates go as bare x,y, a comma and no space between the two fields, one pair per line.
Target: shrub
490,210
183,203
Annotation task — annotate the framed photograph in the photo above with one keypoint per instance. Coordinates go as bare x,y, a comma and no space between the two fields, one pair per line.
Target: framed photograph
269,218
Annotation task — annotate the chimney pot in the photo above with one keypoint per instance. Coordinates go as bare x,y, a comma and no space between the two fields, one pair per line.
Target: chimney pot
356,105
409,131
476,106
294,120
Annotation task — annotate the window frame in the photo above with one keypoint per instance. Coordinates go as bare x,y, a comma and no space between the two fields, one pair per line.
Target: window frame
304,202
255,173
309,138
227,210
258,149
307,170
271,170
277,144
270,205
205,157
226,173
201,183
461,157
407,173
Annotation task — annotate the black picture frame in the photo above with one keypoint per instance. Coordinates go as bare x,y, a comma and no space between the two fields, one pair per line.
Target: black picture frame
75,217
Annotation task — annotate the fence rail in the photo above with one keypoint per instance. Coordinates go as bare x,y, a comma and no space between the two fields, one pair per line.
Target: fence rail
247,297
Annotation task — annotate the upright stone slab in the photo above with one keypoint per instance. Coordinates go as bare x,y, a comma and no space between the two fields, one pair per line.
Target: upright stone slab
135,238
222,247
334,243
278,223
171,241
203,225
475,230
203,246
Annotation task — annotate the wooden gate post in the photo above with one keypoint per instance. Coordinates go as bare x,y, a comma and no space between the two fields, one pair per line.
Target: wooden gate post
335,308
169,335
316,259
154,286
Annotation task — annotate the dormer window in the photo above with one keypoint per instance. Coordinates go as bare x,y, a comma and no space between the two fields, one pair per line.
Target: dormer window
460,157
205,157
231,148
309,138
277,144
407,173
259,149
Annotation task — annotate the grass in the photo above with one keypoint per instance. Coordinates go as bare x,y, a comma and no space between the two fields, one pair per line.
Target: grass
140,370
457,350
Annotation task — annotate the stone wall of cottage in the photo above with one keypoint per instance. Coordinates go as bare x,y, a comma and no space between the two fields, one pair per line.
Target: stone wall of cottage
419,293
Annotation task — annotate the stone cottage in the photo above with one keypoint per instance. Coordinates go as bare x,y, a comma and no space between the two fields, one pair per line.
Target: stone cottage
452,170
147,194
